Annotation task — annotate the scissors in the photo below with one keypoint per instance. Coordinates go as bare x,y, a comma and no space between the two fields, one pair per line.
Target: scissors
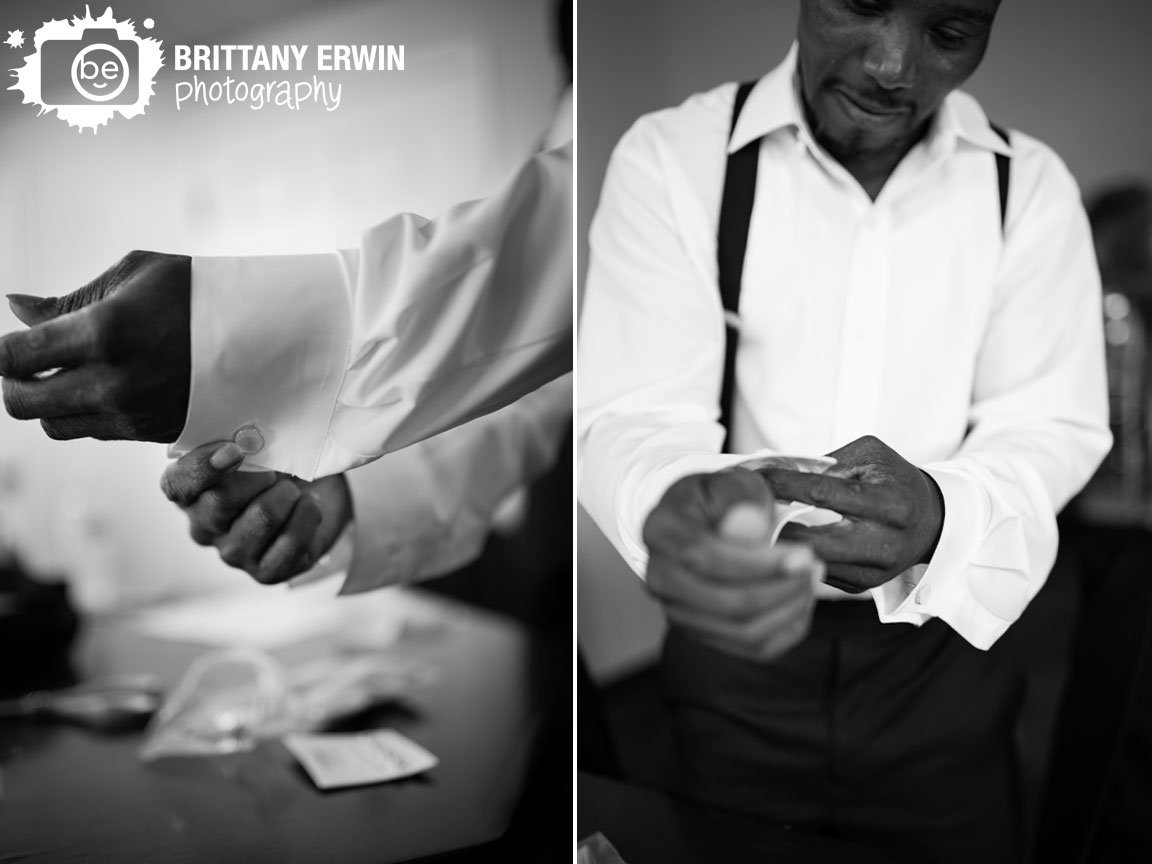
107,704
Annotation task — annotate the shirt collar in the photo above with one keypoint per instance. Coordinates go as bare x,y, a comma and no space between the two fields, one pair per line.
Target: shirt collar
774,104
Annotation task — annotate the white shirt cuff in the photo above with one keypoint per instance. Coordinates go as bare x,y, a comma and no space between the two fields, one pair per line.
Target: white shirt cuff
269,345
977,581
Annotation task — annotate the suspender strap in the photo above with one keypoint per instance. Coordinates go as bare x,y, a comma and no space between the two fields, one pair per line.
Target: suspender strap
1003,169
732,240
735,218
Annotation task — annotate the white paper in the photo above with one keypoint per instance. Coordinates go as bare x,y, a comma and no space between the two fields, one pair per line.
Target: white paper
337,760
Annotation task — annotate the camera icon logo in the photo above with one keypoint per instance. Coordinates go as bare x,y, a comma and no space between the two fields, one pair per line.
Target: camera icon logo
88,70
100,67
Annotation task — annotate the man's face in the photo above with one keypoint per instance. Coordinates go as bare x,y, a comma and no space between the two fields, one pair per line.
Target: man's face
874,71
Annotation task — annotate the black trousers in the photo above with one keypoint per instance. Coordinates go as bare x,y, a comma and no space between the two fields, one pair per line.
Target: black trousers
1098,804
885,734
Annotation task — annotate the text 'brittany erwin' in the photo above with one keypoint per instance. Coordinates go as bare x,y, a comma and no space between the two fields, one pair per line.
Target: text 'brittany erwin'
288,58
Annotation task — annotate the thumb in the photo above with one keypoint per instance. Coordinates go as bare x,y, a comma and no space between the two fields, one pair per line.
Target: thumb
726,489
33,310
747,521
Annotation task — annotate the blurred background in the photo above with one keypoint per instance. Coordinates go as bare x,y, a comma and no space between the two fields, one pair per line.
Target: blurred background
480,86
1072,74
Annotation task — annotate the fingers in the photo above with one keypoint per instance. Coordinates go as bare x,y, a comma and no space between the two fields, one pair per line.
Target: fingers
864,500
753,620
747,522
786,573
705,498
854,578
253,531
725,490
185,479
102,427
858,556
761,640
289,553
217,507
847,541
695,520
33,310
62,342
63,394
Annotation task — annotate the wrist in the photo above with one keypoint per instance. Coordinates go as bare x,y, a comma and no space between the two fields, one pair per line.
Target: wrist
935,527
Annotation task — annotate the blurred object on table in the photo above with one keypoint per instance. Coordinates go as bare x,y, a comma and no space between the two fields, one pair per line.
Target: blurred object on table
37,626
66,789
121,704
232,698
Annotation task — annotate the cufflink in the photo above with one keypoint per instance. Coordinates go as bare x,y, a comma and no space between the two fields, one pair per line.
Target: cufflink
249,439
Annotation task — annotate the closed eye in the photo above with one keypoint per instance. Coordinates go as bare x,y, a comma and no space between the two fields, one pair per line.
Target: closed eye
949,37
865,7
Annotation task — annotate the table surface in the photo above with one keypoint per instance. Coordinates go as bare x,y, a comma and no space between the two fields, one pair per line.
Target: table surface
70,794
649,827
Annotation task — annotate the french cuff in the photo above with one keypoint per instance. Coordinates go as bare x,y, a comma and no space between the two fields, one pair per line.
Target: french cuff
936,590
647,492
269,346
955,585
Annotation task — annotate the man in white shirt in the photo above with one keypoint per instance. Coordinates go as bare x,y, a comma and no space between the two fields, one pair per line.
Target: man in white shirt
427,325
922,310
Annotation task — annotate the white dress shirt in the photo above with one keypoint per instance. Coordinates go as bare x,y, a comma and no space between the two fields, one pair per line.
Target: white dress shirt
341,357
908,318
427,510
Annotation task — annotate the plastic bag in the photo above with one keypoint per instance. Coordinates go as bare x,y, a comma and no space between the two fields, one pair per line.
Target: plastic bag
230,699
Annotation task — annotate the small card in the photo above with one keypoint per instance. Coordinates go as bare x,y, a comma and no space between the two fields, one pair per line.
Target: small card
334,761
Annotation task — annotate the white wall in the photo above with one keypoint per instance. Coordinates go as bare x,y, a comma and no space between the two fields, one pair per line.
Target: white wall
478,89
1074,74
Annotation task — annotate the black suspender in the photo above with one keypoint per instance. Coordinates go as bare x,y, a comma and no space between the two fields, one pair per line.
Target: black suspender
1003,168
732,241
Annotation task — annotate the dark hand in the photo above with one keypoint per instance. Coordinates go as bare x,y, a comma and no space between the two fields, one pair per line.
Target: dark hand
893,514
122,345
269,525
714,570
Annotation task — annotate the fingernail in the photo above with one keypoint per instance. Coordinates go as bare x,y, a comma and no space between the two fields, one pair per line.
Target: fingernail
798,559
746,521
312,501
226,456
31,310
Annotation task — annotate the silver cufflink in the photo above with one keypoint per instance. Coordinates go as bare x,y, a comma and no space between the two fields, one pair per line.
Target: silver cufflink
249,439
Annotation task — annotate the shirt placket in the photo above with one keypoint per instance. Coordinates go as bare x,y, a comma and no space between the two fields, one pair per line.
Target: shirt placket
863,335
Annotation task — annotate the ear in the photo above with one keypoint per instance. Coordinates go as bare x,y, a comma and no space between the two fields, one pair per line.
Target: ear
33,310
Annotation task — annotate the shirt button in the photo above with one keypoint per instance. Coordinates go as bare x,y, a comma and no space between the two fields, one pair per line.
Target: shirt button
923,595
249,439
